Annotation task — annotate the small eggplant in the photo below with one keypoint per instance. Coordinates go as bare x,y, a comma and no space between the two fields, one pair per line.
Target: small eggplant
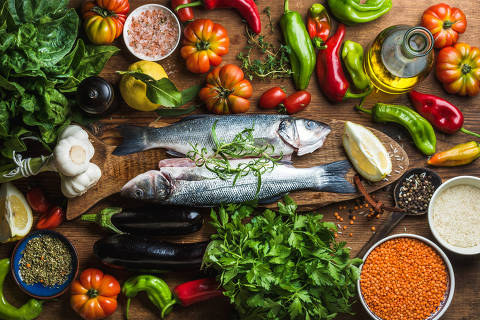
156,221
147,254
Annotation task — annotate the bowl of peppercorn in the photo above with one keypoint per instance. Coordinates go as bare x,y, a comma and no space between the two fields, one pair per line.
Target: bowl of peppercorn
414,190
44,264
408,275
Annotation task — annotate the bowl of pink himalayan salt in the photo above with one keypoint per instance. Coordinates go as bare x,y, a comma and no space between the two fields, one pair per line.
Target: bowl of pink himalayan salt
152,32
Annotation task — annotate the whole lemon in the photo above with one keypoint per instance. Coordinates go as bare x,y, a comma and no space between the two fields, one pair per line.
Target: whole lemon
134,91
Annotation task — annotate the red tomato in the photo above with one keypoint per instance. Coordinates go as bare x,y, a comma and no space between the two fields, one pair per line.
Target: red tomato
226,90
204,44
297,102
94,295
272,98
445,23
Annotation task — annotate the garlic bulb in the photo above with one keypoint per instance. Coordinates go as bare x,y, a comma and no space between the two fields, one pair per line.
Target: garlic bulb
76,186
73,151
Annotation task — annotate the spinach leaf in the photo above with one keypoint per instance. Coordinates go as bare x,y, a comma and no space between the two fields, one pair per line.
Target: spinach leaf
56,37
23,11
83,62
38,62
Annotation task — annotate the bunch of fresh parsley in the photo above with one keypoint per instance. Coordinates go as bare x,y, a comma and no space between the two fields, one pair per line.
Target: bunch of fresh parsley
281,265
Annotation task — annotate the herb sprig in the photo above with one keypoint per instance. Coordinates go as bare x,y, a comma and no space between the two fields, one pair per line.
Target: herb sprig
281,265
242,146
273,63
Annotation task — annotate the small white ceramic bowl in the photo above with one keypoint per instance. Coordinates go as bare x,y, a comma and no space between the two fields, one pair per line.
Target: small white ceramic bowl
468,180
450,283
128,23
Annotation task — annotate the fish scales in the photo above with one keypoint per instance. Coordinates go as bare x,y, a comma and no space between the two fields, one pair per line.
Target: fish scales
197,186
286,134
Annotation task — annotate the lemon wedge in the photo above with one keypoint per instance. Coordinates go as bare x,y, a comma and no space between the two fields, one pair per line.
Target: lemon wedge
366,152
16,217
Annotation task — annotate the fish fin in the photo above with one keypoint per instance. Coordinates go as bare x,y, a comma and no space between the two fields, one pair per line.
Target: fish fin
176,162
134,140
272,199
194,116
288,163
175,154
333,177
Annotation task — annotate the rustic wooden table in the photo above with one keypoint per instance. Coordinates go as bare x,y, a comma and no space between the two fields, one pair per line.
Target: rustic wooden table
466,302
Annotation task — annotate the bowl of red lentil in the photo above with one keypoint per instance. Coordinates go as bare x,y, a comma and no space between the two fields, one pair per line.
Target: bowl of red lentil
152,32
406,277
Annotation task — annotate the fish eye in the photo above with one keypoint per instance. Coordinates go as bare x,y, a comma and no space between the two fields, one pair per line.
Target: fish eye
311,124
139,193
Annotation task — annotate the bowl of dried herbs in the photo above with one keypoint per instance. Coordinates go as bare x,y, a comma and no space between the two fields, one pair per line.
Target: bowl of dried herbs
44,264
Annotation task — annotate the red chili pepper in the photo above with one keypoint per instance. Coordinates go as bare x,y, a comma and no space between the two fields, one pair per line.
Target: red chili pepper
197,290
52,220
318,25
37,201
185,14
247,9
440,113
331,77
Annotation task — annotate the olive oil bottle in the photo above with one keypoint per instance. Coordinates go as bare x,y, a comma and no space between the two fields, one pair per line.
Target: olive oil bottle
399,58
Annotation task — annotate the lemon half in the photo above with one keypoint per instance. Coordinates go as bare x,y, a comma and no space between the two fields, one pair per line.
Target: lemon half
366,152
16,217
134,91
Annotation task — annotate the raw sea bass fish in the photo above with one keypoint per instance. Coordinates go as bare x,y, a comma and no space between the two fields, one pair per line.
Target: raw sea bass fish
180,182
286,134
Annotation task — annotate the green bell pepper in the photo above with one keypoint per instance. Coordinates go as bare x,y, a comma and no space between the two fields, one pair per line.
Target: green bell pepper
157,291
352,56
351,12
302,54
419,128
28,311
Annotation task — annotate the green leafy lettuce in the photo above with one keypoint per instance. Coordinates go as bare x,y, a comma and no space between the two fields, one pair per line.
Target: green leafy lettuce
41,60
281,265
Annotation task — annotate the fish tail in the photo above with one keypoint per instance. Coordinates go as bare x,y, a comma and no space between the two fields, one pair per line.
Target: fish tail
333,177
135,139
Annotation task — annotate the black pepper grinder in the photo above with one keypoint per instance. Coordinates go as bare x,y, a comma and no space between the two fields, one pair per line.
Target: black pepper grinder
95,95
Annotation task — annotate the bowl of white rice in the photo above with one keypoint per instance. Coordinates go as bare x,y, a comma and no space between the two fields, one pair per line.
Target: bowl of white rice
454,215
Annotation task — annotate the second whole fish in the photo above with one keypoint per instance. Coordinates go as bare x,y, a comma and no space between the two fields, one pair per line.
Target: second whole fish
286,134
180,182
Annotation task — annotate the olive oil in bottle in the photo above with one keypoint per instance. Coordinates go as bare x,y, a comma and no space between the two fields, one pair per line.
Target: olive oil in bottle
399,58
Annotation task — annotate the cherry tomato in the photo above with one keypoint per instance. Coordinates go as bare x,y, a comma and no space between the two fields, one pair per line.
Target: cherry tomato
37,201
297,102
272,98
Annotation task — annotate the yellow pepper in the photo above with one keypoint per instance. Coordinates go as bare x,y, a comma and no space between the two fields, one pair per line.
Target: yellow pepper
459,155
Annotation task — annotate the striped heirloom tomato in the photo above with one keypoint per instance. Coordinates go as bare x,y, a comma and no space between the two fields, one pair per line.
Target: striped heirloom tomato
204,44
104,19
226,91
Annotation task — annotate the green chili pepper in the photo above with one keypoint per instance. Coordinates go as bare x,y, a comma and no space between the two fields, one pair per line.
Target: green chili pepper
28,311
419,128
302,54
352,56
157,291
351,12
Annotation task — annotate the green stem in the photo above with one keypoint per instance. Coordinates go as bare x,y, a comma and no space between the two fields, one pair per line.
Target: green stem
104,219
469,132
360,108
351,95
188,5
447,24
285,6
27,167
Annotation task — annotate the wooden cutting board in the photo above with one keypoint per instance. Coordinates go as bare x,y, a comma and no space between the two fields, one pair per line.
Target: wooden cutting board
117,170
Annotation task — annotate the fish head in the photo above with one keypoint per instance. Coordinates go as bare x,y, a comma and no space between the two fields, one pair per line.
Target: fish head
149,186
304,135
